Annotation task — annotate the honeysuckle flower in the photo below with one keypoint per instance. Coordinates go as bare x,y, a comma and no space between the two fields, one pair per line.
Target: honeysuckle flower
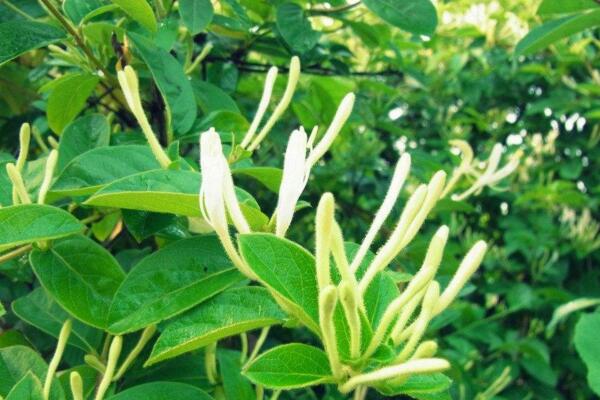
466,152
422,366
324,225
492,174
298,164
217,196
18,185
293,180
349,299
262,106
129,83
426,349
293,76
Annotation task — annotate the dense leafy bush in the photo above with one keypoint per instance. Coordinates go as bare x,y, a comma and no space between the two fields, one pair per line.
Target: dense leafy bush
169,229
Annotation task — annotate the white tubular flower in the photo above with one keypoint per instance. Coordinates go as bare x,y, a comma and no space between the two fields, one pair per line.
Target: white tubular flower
327,303
431,297
48,173
324,225
419,281
262,106
292,182
398,179
466,269
341,116
422,366
217,194
492,174
290,88
128,81
465,164
393,247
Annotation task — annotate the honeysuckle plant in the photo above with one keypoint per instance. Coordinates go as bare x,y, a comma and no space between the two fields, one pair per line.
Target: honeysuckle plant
203,199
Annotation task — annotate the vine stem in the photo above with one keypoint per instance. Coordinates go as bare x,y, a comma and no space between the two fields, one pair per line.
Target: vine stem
15,253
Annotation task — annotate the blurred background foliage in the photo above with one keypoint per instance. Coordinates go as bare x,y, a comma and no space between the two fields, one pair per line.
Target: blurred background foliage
416,89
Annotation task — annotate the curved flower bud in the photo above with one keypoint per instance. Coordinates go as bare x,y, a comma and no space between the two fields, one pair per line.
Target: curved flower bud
324,226
327,303
465,164
466,269
130,86
422,366
398,178
425,350
292,182
349,299
262,106
48,173
283,104
18,185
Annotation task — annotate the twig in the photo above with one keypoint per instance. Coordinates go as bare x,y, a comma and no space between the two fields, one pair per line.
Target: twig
15,253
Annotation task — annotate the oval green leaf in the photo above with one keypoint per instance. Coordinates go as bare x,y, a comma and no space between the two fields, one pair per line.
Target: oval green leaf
290,366
29,223
83,134
81,276
172,82
28,388
196,14
18,37
295,28
415,16
162,391
16,362
39,310
586,343
229,313
67,99
98,167
140,11
170,281
552,31
267,255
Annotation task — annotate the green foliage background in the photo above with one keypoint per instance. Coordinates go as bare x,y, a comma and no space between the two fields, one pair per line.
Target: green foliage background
417,85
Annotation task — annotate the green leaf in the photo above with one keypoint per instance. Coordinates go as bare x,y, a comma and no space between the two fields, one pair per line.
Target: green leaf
161,391
140,11
211,98
552,31
68,98
415,16
551,7
230,313
81,276
28,388
98,167
295,28
170,281
39,310
27,223
76,10
267,255
168,191
270,177
290,366
143,224
16,362
196,14
83,134
586,343
171,81
2,310
235,385
423,387
18,37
